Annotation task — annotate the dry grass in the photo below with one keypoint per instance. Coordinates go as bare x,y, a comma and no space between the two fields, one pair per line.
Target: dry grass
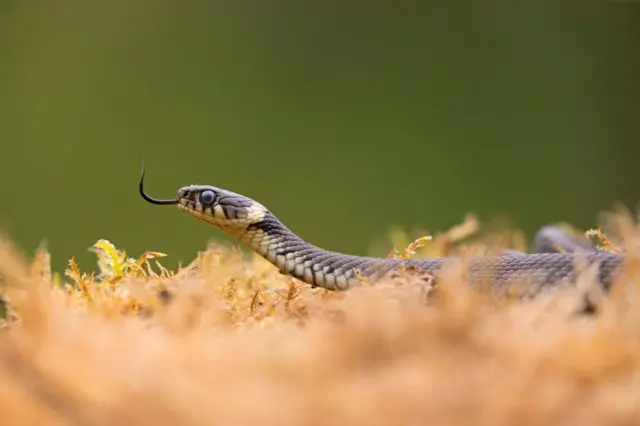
240,344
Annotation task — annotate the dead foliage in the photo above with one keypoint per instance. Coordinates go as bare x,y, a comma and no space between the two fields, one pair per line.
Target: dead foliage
239,344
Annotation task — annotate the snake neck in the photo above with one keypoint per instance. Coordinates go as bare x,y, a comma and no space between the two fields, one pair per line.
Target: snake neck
316,266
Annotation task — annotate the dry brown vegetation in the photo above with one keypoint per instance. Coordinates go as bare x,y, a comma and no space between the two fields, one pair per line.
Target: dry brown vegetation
240,344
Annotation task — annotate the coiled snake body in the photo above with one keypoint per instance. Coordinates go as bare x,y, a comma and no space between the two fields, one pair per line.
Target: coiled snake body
255,226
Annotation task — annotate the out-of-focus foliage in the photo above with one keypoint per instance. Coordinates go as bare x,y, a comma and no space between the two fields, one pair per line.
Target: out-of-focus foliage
237,343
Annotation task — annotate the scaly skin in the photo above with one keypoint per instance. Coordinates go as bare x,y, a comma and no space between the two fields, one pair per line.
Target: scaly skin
259,229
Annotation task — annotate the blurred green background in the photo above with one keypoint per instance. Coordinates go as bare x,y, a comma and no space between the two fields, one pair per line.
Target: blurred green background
343,118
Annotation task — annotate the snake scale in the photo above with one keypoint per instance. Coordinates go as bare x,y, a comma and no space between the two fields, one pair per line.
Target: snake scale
255,226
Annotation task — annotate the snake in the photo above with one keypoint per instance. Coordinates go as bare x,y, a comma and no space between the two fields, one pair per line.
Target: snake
256,227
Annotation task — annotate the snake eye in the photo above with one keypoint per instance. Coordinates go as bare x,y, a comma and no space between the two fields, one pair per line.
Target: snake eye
207,197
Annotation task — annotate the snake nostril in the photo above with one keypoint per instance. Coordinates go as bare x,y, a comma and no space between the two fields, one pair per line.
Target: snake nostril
183,193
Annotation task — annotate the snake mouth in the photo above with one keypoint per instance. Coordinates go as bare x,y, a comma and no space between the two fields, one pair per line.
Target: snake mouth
189,205
195,209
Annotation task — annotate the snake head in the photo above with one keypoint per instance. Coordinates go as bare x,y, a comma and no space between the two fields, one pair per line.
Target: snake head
223,209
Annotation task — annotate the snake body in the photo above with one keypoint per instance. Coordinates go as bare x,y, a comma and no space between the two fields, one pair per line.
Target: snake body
255,226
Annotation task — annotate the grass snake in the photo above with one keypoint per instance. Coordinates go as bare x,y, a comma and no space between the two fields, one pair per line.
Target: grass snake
255,226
